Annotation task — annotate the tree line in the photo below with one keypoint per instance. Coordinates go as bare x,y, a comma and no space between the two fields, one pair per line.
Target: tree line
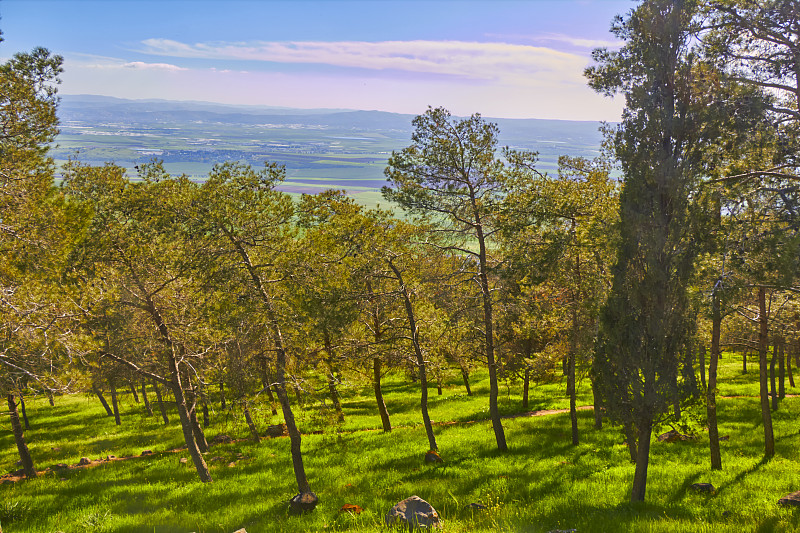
680,239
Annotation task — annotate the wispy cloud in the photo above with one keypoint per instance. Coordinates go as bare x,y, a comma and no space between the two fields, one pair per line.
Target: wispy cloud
473,60
102,62
152,66
569,40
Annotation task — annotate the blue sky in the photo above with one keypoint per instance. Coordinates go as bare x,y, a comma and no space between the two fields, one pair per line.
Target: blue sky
516,59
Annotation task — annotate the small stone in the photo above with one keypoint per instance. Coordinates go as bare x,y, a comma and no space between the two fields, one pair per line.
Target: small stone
147,452
84,461
222,439
240,531
351,508
673,436
184,460
477,506
726,437
413,512
217,459
61,466
56,449
303,502
703,487
792,499
110,457
231,464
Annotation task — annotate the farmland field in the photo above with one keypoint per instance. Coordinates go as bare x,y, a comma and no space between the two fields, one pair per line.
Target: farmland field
320,149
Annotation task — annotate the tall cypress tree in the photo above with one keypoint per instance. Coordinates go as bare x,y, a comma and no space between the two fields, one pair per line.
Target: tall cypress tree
644,324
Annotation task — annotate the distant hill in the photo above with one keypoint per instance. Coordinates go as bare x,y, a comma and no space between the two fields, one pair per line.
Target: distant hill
321,148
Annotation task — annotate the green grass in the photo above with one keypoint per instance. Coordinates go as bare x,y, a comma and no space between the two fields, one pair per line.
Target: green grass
542,483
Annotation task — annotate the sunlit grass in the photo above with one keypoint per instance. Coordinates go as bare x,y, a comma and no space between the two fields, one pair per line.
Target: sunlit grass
543,483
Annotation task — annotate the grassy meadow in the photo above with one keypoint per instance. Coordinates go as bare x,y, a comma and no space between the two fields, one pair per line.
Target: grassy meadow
543,483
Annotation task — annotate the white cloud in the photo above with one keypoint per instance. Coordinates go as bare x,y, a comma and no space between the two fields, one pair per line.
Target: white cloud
471,60
152,66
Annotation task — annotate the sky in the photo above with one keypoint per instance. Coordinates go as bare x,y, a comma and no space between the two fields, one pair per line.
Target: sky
500,58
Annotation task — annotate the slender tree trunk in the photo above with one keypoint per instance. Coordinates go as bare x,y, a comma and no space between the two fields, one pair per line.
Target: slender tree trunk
277,339
147,405
711,391
102,399
24,412
133,391
642,461
772,393
250,423
423,378
266,380
744,362
197,431
573,349
630,439
438,385
789,369
114,402
526,388
49,399
781,371
161,406
376,380
702,365
332,376
222,403
19,438
488,325
766,415
465,376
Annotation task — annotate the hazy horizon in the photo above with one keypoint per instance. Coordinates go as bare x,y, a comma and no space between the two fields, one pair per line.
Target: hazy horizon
504,59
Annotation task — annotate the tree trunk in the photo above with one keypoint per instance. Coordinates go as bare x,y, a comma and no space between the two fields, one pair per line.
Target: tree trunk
250,423
465,376
222,404
102,399
766,415
789,369
573,348
161,406
277,339
423,378
438,385
781,371
702,365
772,393
197,431
744,362
133,391
630,439
147,405
642,461
114,402
266,380
488,328
711,391
24,412
49,399
526,388
329,361
19,438
376,381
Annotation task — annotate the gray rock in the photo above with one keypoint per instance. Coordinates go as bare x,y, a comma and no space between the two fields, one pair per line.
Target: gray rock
240,531
703,487
791,499
413,512
477,506
84,461
184,460
147,452
277,430
303,502
433,457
